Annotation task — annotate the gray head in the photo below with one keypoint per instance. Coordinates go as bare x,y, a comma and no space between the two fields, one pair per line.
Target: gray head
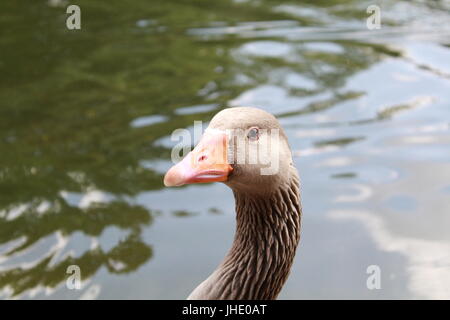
244,147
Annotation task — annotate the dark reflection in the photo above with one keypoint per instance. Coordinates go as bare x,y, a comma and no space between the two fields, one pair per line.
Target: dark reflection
318,106
338,142
183,213
69,99
215,211
126,257
67,219
344,175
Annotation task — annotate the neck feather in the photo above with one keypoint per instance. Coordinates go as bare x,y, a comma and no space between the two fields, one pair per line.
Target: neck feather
260,259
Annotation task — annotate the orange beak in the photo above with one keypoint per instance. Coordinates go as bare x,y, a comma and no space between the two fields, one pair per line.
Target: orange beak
208,162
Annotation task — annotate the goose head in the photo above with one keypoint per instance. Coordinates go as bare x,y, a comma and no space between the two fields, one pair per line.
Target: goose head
244,147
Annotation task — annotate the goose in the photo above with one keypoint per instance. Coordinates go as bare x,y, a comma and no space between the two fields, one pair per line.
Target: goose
267,201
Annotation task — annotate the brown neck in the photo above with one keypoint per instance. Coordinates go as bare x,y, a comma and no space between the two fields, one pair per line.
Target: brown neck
260,259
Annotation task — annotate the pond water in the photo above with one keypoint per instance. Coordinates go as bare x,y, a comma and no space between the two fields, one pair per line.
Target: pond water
86,119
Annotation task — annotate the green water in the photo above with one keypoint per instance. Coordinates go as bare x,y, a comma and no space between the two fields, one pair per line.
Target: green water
86,117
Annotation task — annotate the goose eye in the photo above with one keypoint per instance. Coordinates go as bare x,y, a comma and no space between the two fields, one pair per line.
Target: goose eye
253,134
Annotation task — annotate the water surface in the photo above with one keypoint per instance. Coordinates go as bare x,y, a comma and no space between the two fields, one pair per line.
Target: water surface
86,118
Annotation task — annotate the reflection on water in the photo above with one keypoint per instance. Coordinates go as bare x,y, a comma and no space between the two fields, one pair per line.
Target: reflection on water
428,261
85,125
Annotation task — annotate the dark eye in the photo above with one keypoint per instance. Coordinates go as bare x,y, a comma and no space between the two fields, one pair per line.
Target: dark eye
253,134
